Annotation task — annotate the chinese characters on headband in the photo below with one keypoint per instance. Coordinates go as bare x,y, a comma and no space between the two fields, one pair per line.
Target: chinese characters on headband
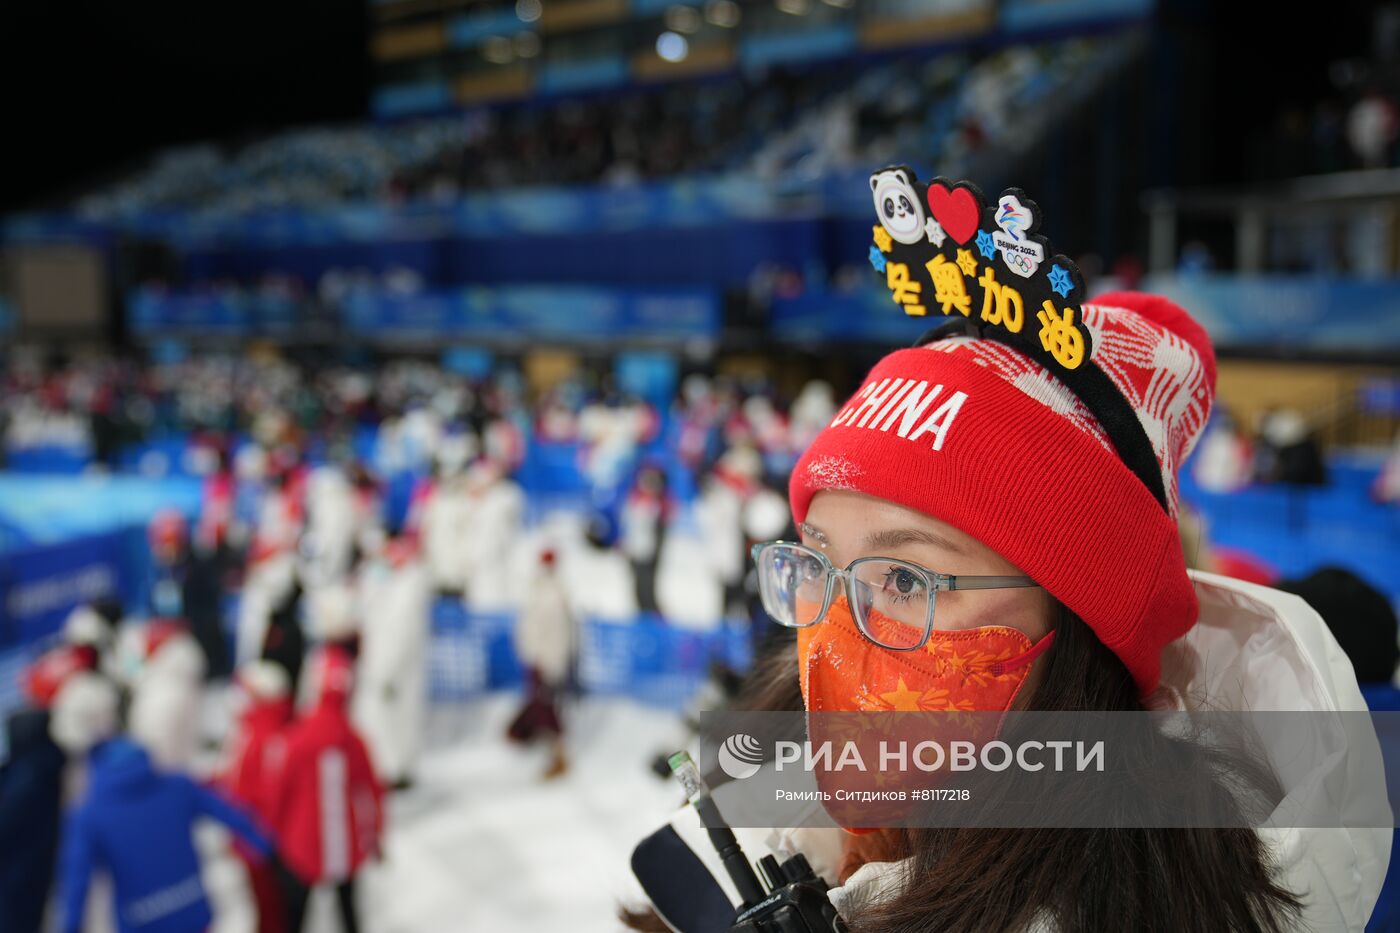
940,245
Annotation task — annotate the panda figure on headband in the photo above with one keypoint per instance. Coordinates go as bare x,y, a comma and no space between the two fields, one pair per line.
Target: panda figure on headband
899,206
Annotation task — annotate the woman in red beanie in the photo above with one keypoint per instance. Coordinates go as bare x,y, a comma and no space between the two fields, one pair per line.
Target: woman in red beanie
967,476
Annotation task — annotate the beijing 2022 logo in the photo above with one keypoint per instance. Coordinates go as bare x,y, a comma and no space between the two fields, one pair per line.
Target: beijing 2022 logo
740,756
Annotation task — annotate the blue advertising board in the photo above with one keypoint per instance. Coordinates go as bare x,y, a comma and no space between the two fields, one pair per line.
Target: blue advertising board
557,312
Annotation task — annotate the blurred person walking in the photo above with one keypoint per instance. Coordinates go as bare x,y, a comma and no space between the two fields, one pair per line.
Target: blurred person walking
645,515
390,704
546,642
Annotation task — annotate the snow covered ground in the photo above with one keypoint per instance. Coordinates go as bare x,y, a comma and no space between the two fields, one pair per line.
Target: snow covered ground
481,843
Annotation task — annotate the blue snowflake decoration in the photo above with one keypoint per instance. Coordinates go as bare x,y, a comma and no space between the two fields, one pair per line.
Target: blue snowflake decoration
877,259
1060,281
985,246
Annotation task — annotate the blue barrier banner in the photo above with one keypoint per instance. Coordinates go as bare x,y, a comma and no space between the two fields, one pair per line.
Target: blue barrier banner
39,586
762,51
587,75
1026,15
642,8
402,99
1284,311
645,659
153,311
561,312
1266,312
866,314
41,510
471,28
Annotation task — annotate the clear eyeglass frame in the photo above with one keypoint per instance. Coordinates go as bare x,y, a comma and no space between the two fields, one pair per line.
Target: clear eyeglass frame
933,581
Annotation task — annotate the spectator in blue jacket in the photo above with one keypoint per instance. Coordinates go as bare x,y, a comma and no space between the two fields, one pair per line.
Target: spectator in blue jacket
134,822
30,798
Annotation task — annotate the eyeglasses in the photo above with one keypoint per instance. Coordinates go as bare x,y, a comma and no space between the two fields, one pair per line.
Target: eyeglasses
891,600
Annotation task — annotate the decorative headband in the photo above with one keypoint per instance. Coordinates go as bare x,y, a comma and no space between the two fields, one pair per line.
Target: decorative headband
941,246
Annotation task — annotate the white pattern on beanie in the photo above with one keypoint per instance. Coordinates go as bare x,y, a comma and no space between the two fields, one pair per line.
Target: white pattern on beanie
1159,373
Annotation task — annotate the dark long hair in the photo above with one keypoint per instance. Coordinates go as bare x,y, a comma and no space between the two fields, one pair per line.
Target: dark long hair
978,880
1082,879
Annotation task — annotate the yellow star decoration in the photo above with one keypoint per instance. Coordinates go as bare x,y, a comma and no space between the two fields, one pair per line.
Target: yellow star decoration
882,239
903,699
966,263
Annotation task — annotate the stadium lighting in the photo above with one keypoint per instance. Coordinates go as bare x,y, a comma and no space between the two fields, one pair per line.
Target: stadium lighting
672,46
528,10
722,13
795,7
840,4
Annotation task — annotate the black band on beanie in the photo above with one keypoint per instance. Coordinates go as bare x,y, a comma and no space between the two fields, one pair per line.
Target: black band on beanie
1091,385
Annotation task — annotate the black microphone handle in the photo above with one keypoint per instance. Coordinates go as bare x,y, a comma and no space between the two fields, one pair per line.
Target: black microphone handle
732,857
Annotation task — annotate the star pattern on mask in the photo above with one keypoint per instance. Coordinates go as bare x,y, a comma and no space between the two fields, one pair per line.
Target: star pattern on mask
902,698
883,239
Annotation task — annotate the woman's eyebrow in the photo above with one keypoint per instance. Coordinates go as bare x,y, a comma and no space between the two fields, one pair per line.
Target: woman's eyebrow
896,536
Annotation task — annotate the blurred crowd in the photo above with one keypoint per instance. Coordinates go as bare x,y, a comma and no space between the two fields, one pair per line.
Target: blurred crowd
302,592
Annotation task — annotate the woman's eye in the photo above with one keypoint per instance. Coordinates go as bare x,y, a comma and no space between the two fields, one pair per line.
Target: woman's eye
900,581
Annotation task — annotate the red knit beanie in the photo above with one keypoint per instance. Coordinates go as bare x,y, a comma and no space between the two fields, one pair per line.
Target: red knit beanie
975,433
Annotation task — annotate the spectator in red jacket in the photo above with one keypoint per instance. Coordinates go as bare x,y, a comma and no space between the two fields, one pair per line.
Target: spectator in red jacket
246,777
327,807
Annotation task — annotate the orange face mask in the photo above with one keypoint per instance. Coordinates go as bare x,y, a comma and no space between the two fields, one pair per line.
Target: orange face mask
974,670
841,671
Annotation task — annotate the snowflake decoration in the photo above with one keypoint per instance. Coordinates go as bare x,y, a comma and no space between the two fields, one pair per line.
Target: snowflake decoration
877,259
934,229
985,246
1060,281
966,263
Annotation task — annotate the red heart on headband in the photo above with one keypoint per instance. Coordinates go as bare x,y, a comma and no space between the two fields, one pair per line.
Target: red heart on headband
956,211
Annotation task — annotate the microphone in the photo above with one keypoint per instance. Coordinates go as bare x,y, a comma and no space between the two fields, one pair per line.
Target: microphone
792,899
721,836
